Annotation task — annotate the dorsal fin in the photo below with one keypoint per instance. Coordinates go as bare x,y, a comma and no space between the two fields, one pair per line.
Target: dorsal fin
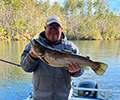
88,57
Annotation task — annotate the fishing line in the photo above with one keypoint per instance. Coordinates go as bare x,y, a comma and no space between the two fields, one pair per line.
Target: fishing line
9,62
20,33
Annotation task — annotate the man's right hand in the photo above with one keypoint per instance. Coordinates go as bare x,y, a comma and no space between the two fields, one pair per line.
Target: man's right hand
32,54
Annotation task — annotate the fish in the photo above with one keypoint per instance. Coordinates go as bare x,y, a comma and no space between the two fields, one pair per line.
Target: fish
60,58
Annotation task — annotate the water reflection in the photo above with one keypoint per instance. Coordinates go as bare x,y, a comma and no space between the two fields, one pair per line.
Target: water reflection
108,52
100,49
15,84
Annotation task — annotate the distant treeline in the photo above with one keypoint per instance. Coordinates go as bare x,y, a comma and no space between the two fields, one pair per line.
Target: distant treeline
81,19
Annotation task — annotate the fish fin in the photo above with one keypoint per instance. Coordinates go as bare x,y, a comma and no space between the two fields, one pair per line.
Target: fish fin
43,59
85,68
100,71
88,57
66,67
68,51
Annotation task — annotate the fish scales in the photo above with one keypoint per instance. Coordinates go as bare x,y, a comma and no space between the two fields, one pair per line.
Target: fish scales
62,59
59,58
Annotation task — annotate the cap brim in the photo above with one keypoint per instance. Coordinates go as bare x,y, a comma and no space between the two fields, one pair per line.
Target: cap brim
53,21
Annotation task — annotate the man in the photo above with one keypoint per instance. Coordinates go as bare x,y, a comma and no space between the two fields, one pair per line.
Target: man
51,83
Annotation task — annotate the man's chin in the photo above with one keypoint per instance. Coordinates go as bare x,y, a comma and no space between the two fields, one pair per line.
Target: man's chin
53,40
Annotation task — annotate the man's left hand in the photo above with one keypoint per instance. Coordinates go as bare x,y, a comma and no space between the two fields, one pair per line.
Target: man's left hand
73,67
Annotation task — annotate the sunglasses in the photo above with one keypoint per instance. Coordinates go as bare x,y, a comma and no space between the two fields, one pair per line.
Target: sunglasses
53,27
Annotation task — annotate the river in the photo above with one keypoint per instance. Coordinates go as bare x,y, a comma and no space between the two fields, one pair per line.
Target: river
15,84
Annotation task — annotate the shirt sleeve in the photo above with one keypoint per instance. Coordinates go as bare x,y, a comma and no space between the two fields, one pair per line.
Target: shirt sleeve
78,73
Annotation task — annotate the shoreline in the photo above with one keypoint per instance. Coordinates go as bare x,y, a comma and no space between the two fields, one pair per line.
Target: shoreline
68,39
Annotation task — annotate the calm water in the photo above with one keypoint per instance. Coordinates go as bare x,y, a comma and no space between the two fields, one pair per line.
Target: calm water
15,84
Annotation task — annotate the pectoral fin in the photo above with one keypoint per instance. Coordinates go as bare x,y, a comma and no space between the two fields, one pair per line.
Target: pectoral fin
66,67
43,59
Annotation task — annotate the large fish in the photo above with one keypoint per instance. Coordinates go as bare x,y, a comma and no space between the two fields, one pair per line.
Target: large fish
58,58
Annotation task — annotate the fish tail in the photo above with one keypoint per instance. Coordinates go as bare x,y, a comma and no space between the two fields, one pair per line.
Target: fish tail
102,68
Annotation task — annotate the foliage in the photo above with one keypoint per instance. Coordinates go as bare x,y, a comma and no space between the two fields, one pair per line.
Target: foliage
81,19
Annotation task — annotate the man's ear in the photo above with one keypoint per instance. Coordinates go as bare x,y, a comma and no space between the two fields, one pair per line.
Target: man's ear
61,28
45,27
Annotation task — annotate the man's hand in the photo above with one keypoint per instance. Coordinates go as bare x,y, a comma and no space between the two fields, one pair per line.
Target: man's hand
32,54
73,67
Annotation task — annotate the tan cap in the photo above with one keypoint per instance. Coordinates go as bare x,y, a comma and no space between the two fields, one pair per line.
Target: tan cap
53,19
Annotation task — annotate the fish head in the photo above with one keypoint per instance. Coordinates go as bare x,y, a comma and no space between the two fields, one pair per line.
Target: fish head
37,47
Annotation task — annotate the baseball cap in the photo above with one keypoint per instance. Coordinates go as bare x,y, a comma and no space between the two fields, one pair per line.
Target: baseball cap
53,19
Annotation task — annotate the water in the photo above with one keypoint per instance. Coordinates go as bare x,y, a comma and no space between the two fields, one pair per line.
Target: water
15,84
108,52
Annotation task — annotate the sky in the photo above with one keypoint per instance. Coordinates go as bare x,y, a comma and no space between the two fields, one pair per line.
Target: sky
113,3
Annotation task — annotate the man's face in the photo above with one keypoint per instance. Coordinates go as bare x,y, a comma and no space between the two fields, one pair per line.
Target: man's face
53,32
